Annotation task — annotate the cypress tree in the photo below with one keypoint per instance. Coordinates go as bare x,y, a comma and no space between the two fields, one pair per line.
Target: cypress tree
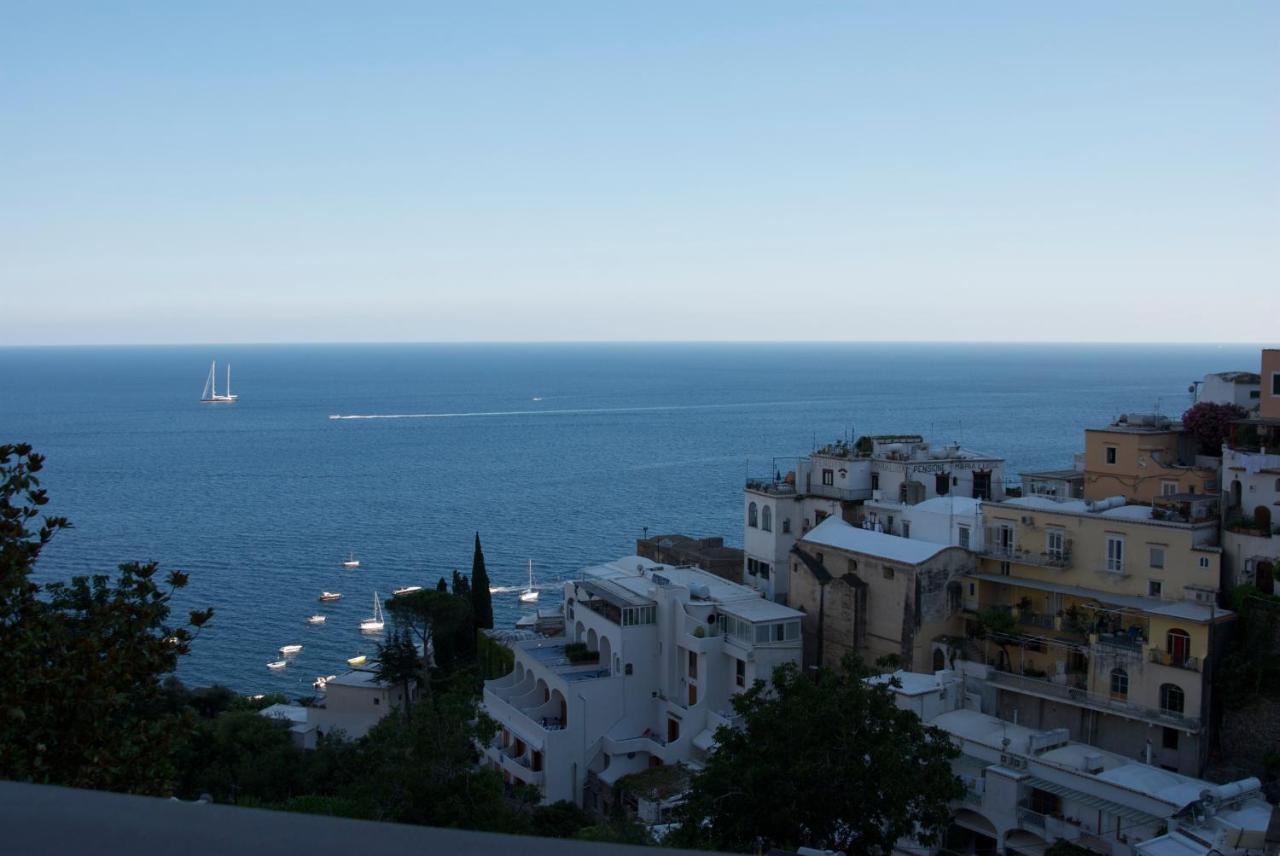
442,585
481,601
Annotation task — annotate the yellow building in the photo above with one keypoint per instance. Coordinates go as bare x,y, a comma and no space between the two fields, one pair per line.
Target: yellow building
1102,618
1143,456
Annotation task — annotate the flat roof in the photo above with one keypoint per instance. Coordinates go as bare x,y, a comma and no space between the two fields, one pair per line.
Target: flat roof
1129,511
948,505
1063,475
1186,609
294,713
357,678
629,581
834,532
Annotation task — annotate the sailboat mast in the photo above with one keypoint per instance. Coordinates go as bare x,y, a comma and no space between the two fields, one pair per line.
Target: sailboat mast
228,380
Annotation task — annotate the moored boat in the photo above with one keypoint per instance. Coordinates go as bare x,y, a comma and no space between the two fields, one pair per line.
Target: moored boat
357,661
322,681
352,561
406,590
375,623
330,595
316,619
277,664
530,594
286,650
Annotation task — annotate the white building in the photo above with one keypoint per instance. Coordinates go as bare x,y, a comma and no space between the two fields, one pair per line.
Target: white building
837,479
644,676
350,704
1240,388
1027,789
955,521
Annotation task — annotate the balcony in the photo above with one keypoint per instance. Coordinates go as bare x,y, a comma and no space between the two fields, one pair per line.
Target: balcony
1177,661
1048,689
1057,560
1112,569
771,487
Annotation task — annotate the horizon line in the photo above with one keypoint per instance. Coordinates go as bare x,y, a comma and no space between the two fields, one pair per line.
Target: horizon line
546,342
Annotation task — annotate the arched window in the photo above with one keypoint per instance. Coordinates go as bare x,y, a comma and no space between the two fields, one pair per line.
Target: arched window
1178,644
1172,699
752,512
786,525
1119,684
766,519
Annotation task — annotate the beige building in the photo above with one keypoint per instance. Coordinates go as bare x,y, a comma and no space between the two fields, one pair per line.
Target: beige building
1142,456
874,594
1110,624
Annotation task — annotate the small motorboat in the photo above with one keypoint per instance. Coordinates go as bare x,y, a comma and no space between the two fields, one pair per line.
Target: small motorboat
351,562
330,595
406,590
289,650
316,619
357,661
277,665
322,681
375,623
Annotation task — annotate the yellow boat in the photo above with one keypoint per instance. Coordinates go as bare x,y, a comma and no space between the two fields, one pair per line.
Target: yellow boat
358,661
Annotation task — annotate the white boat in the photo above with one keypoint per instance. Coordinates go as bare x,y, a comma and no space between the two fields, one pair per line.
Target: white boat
286,650
210,394
277,665
406,590
331,595
374,624
351,562
316,619
322,681
530,594
357,661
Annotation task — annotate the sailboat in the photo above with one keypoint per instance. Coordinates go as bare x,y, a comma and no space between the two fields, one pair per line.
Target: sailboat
352,562
210,394
530,594
374,624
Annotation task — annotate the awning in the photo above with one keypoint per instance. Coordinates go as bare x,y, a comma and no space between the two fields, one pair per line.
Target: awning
1112,808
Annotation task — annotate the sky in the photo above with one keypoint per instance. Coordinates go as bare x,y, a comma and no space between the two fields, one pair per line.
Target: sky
548,171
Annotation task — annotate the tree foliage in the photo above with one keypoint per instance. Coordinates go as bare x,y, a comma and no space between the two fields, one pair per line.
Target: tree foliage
481,600
828,762
83,701
1210,423
398,663
438,621
1251,668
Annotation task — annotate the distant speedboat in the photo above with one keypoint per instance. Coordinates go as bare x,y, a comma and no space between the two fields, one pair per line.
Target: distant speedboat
331,595
537,398
277,665
322,681
286,650
316,619
406,590
351,562
530,594
374,624
210,394
357,661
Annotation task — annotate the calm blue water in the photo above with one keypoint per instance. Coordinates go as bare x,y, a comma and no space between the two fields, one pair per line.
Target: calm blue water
262,500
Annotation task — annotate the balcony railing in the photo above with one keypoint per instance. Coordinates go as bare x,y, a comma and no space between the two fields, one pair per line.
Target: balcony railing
771,486
1177,661
1042,687
1110,568
1056,559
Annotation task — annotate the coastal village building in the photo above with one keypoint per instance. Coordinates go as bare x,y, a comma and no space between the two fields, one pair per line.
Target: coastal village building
952,520
1056,484
710,554
1241,388
1145,456
351,704
836,480
1112,626
874,594
1027,787
651,658
1251,482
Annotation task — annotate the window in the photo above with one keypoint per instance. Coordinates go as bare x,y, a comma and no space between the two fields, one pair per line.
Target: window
875,481
973,589
1154,588
693,664
740,672
853,565
1204,561
1157,557
888,526
828,477
964,536
942,484
764,570
1111,454
1119,684
1178,643
888,572
1115,554
753,567
819,516
1172,699
906,529
1275,383
1055,543
766,519
628,669
377,700
786,525
1170,738
1168,488
753,519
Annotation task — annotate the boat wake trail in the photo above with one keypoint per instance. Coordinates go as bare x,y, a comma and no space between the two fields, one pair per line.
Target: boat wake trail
572,412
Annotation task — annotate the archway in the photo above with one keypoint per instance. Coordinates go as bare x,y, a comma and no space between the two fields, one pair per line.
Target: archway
593,642
606,651
578,630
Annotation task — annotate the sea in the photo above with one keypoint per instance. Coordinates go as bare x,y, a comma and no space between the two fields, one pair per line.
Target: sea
563,454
